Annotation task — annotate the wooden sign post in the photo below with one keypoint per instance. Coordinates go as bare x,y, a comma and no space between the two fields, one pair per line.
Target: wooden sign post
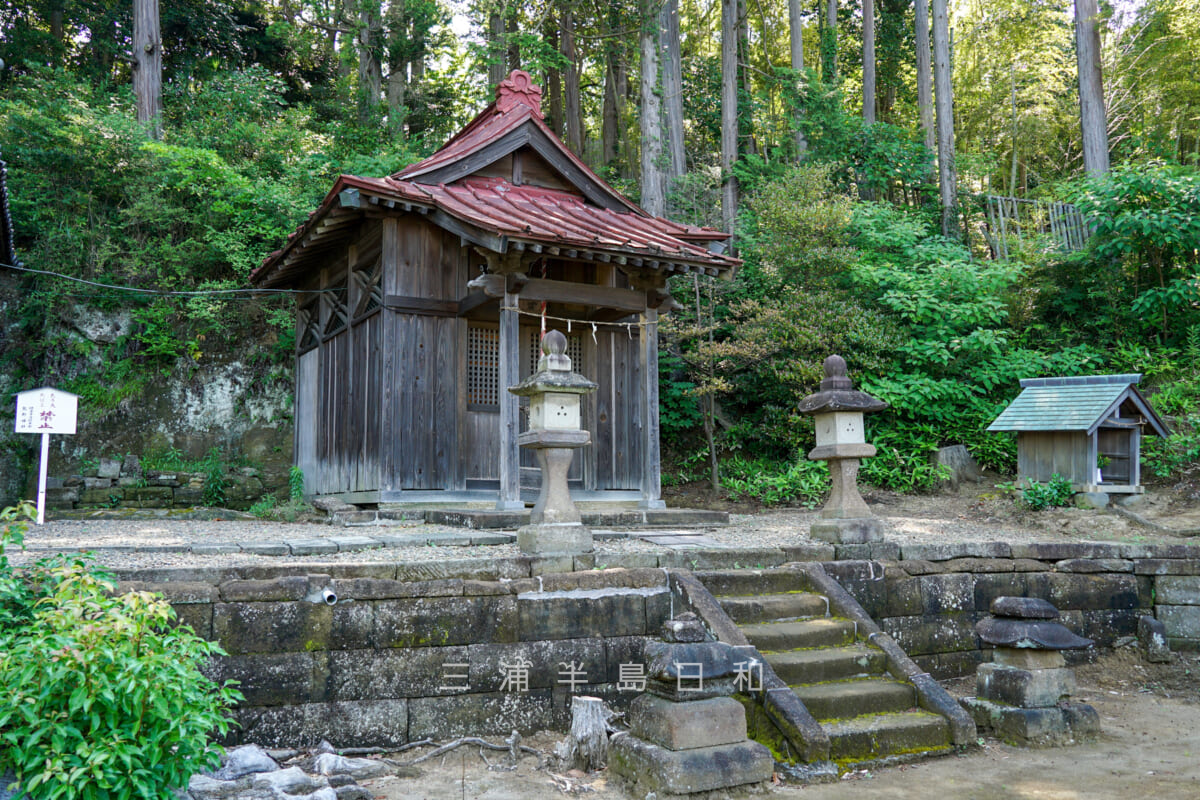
45,411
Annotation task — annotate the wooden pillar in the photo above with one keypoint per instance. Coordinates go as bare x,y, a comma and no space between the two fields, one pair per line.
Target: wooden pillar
651,456
510,419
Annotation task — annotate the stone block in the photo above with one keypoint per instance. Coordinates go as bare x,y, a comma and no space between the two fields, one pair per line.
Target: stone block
65,497
1058,551
274,679
627,651
1166,566
1035,727
175,592
658,610
287,588
266,548
545,616
400,672
1025,658
441,621
1094,565
948,594
627,560
1181,622
109,468
808,552
188,496
925,635
311,547
666,772
353,624
903,595
978,566
1152,640
1178,590
847,531
687,726
197,616
998,584
955,665
1024,688
950,550
349,544
1065,590
379,723
548,663
549,564
1094,500
1107,625
477,714
864,581
101,497
215,548
272,627
480,569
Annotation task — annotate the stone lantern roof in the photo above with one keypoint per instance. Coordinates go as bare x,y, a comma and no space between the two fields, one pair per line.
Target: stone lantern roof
554,371
838,393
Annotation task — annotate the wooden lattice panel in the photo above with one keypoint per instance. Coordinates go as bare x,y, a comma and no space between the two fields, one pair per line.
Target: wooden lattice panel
336,311
483,367
533,346
370,291
310,328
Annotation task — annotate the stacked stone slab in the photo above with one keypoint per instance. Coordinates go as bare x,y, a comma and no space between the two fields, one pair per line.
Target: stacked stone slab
1024,695
686,734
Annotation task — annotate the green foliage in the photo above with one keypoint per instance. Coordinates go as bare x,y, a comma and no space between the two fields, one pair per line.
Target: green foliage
295,483
1175,456
1054,494
678,409
216,481
902,460
799,482
1146,225
104,697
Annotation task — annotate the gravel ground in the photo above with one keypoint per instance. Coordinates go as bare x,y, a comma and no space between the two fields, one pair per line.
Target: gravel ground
973,514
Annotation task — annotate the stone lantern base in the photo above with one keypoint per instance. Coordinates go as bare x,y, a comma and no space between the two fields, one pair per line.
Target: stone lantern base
847,531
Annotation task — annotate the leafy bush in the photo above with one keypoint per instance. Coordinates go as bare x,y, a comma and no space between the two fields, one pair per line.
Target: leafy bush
1054,494
1176,454
104,697
800,482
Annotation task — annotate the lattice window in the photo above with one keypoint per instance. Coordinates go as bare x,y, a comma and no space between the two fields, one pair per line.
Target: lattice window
483,367
336,310
309,323
533,347
370,290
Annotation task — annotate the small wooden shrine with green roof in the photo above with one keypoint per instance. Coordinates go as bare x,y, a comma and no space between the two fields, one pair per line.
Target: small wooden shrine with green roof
1087,429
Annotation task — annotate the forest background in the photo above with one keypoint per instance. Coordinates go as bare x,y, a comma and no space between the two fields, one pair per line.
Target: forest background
807,128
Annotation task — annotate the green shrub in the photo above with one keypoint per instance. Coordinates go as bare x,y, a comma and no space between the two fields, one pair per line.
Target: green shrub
215,479
295,483
1054,494
103,697
801,482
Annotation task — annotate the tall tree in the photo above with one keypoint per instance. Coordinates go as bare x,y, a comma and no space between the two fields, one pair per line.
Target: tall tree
495,61
868,59
924,73
947,175
147,65
1093,120
369,39
829,43
653,197
574,110
672,89
796,36
729,112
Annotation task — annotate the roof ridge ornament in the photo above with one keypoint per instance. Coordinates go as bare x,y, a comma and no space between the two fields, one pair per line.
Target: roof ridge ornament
518,89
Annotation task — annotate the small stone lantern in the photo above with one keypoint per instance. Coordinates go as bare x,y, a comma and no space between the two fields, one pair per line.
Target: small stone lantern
838,413
555,432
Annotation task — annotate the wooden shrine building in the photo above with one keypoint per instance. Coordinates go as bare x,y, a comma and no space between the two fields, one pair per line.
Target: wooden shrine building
1087,429
426,291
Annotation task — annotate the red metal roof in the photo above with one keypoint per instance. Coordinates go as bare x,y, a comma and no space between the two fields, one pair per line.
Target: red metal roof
602,221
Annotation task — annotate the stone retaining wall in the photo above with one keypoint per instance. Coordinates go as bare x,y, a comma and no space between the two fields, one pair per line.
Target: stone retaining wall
395,661
374,669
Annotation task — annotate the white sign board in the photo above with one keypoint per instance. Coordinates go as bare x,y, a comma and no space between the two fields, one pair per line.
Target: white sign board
46,410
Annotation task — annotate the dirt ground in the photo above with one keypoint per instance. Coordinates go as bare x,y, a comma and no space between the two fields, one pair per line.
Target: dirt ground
1149,747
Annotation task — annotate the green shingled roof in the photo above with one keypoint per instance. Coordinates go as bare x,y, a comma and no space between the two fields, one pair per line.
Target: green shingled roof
1073,404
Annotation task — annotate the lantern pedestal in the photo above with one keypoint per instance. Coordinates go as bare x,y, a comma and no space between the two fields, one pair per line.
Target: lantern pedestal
555,431
838,420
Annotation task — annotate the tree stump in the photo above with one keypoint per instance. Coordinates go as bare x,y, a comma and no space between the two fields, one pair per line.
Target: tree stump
587,747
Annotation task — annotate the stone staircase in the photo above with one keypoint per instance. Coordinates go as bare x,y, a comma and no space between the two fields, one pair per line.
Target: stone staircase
839,676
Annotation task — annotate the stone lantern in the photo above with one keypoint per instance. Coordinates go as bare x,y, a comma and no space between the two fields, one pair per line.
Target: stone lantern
555,432
838,413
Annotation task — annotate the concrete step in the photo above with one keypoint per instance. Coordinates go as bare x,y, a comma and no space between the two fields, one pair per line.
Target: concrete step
856,698
749,609
723,582
819,632
827,664
881,735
